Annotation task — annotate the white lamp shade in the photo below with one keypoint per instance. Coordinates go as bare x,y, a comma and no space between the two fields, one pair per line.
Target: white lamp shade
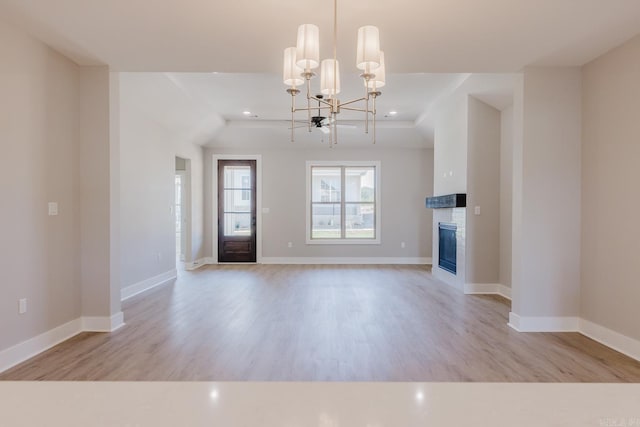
380,79
368,49
330,77
308,46
291,73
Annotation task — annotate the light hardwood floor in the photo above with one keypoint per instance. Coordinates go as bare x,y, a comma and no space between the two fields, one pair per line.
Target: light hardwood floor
317,323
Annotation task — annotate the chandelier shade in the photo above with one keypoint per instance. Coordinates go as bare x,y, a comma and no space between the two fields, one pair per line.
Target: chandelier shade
368,48
380,75
299,63
308,46
292,73
330,77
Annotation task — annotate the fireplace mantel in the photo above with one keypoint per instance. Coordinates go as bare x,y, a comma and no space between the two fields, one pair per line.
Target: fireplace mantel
458,200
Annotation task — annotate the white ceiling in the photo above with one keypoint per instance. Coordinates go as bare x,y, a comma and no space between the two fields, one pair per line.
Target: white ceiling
178,45
207,108
250,35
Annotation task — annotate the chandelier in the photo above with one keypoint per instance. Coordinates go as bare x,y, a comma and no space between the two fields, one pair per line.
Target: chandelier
301,60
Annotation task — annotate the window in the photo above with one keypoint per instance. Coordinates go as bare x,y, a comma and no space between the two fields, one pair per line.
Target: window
343,202
246,194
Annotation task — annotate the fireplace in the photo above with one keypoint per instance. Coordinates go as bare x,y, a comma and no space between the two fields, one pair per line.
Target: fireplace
447,258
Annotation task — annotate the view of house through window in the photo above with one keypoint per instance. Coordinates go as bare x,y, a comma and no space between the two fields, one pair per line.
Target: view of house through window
343,202
237,200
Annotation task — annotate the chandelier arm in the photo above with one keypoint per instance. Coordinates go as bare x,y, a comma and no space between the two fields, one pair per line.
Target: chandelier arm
313,108
361,110
374,119
293,110
309,102
330,137
327,103
351,102
335,127
366,116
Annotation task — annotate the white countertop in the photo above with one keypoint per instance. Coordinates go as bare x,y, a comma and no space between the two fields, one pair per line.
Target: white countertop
251,404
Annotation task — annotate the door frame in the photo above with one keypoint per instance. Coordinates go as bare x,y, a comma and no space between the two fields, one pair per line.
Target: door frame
186,210
184,235
214,197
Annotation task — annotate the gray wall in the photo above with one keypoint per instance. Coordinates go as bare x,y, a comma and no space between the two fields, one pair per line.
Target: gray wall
483,191
506,191
98,192
546,195
610,228
406,176
148,164
39,91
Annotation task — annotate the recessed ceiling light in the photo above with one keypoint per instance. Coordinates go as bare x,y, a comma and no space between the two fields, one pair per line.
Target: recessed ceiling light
246,113
393,113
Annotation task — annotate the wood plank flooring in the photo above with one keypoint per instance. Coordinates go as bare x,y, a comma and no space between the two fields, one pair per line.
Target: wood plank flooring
322,323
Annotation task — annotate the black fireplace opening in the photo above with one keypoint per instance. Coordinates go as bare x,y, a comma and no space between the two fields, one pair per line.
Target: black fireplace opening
447,243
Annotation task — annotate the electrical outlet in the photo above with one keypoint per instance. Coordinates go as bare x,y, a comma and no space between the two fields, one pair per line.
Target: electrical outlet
22,306
476,210
290,244
402,245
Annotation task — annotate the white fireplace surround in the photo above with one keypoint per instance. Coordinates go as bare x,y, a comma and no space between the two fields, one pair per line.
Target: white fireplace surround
457,216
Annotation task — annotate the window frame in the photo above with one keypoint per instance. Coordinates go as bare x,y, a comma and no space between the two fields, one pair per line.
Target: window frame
377,203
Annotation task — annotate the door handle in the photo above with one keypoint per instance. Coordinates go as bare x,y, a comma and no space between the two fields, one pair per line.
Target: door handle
253,221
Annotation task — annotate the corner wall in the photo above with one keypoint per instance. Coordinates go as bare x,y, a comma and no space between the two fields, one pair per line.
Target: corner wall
39,119
147,186
546,196
483,192
610,228
99,145
506,194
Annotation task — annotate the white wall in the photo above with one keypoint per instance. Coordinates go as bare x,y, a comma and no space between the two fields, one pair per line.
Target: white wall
483,191
506,189
610,176
148,151
546,269
39,116
450,147
407,178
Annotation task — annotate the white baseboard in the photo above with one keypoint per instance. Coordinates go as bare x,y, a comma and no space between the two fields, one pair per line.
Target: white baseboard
505,291
544,324
198,263
612,339
36,345
488,289
346,260
103,324
147,284
43,342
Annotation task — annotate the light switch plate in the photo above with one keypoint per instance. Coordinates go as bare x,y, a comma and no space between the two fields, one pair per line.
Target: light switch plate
22,306
265,210
53,208
476,210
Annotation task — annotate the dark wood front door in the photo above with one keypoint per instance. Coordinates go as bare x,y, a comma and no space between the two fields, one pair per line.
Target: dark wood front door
236,211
